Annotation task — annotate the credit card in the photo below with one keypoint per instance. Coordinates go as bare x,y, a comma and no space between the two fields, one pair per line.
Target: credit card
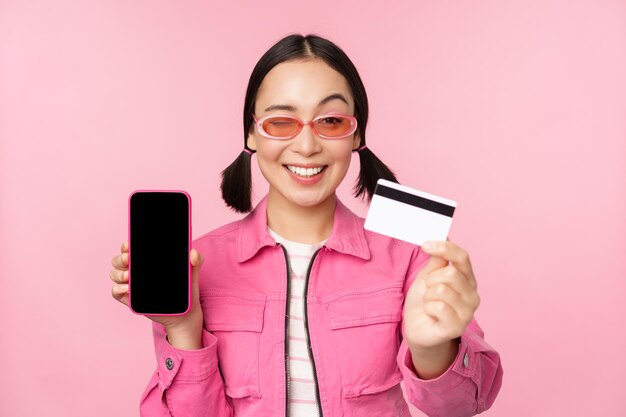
408,214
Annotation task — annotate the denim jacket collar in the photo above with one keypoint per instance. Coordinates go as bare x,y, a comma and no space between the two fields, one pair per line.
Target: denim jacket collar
347,236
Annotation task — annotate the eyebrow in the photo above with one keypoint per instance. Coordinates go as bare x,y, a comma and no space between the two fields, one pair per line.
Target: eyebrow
288,107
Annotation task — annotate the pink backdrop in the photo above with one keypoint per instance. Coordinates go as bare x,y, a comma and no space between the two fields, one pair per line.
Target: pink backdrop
515,109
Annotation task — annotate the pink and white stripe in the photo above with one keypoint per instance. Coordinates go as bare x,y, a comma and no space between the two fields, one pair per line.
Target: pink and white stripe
302,389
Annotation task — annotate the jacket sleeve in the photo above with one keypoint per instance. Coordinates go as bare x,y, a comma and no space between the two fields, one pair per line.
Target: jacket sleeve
471,383
186,383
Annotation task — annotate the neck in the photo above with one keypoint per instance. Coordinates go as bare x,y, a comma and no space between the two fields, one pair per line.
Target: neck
300,224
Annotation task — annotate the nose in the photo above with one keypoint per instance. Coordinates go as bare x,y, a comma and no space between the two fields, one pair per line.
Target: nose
307,142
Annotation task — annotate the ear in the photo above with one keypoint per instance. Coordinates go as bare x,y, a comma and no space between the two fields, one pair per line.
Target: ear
356,142
251,141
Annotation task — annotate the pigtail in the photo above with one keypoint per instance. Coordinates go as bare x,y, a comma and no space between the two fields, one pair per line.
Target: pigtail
237,183
372,169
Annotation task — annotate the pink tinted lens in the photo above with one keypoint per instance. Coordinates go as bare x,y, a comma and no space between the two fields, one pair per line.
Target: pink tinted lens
281,126
335,126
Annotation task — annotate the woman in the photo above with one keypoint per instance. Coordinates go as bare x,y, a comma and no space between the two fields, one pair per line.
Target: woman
298,310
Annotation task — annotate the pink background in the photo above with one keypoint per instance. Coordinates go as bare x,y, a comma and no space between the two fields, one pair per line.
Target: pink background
514,109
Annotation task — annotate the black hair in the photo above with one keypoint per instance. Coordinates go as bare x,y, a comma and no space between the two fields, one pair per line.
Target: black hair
236,178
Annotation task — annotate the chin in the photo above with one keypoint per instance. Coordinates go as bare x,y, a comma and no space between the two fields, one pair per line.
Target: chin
308,200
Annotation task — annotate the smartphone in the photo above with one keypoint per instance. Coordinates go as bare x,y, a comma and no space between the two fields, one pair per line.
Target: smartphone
159,241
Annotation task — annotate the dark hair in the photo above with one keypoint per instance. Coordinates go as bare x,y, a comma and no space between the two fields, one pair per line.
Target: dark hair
236,179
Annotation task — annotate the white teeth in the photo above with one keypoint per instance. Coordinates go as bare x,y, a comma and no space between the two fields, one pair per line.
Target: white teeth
305,172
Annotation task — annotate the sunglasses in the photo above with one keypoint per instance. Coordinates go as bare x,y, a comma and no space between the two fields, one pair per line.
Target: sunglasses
327,126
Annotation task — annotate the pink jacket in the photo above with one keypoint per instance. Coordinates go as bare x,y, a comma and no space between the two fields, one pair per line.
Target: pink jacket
356,288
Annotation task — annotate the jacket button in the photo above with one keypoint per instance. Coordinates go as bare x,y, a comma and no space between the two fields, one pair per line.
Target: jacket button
466,360
169,364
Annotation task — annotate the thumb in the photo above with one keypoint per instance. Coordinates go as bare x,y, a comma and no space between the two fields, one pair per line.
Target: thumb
435,262
196,259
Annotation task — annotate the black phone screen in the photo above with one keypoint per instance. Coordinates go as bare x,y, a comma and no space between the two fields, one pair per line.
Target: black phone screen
159,246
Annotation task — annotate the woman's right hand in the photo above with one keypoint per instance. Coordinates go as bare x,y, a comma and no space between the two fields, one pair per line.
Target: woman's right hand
191,322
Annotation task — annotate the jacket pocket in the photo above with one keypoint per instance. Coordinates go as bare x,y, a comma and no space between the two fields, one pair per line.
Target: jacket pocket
365,327
237,322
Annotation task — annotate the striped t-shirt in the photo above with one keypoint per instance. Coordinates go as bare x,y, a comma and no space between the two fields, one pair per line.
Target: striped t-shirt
302,398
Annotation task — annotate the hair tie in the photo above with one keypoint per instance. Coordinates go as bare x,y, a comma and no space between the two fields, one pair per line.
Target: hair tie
249,152
361,148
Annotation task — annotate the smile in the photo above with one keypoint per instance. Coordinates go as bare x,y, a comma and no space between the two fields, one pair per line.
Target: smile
306,172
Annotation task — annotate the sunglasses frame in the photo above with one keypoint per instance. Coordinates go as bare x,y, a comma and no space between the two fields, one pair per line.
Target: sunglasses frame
302,123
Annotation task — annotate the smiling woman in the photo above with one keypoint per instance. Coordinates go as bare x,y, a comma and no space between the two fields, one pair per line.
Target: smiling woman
301,310
310,89
307,77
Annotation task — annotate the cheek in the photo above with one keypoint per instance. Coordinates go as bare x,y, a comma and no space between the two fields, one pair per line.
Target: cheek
269,151
342,155
268,155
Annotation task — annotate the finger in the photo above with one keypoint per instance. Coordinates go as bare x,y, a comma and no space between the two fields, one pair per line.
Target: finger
119,277
448,321
124,248
120,293
196,258
451,276
451,252
434,263
462,307
443,292
120,262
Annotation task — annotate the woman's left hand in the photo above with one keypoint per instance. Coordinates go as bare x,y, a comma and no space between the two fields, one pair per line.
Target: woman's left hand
442,299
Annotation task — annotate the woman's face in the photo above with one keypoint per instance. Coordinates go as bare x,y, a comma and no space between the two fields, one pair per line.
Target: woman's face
305,89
